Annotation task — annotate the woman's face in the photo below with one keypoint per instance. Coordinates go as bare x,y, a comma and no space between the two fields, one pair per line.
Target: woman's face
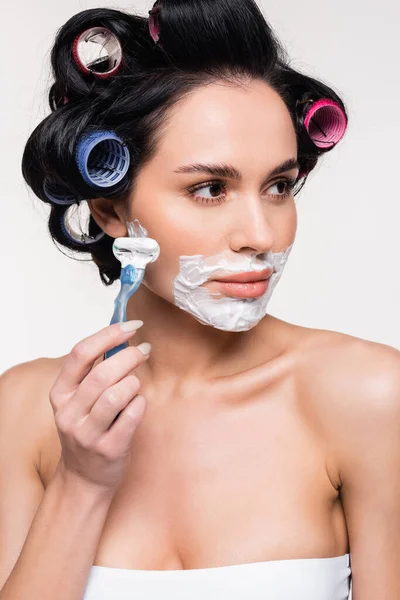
248,130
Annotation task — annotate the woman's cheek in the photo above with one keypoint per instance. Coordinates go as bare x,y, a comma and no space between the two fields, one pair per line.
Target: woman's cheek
160,275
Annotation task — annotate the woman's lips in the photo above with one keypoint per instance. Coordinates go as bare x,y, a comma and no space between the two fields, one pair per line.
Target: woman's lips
247,277
243,290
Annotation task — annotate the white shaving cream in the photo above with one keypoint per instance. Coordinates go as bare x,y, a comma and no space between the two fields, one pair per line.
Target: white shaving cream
211,308
223,312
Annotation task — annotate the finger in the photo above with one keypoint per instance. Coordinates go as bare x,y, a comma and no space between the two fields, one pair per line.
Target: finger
110,404
119,436
101,378
84,354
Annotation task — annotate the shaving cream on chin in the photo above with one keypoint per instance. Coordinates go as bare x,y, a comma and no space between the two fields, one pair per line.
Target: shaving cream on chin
214,309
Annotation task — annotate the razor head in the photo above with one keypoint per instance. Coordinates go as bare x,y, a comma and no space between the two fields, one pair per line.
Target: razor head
138,252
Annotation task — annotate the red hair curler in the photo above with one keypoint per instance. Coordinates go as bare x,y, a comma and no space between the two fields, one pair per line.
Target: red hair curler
97,51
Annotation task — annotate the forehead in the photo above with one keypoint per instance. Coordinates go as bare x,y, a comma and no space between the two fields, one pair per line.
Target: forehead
226,117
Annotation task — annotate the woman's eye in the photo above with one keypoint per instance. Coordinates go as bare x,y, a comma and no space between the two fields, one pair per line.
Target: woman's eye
286,189
215,198
215,187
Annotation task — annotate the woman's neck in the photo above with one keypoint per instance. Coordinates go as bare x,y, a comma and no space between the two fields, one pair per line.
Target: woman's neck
185,349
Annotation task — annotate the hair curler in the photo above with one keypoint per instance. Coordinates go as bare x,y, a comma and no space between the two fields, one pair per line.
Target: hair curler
325,122
80,239
58,194
97,51
102,158
154,23
103,161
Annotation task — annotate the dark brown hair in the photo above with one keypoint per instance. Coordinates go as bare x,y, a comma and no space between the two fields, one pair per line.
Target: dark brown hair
200,42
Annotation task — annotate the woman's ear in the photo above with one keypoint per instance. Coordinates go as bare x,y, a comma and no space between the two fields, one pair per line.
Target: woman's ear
109,215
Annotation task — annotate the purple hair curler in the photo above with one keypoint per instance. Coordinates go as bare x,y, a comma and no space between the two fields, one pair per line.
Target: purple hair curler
102,158
325,123
97,51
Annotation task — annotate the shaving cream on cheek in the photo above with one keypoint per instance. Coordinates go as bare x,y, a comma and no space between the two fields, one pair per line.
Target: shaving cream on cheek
223,312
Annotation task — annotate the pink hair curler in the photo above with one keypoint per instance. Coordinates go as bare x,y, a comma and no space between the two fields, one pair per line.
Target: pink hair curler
154,23
325,123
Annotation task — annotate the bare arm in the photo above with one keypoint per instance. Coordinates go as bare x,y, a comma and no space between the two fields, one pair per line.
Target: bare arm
59,550
49,538
362,413
370,474
47,544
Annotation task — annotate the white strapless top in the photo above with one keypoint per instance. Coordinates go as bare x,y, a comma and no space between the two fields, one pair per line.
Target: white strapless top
293,579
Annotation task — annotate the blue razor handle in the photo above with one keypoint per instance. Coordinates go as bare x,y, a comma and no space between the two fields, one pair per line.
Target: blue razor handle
131,278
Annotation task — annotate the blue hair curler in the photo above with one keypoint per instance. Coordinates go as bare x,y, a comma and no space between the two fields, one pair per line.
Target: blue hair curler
134,253
59,195
102,158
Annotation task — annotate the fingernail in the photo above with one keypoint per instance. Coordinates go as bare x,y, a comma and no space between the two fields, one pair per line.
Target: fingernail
145,348
130,325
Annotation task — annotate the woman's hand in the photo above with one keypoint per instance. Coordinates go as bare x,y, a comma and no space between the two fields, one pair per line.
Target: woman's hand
97,408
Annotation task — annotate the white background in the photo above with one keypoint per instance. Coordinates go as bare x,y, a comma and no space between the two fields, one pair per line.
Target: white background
343,272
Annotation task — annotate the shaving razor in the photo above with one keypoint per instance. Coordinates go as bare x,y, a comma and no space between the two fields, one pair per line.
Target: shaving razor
134,253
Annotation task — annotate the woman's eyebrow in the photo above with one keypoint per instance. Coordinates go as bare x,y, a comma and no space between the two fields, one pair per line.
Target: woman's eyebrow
230,172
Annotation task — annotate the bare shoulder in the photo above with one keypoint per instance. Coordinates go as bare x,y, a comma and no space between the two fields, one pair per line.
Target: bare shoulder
352,385
25,402
21,382
347,362
342,367
33,375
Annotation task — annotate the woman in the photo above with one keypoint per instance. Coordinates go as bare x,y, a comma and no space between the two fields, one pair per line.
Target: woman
258,458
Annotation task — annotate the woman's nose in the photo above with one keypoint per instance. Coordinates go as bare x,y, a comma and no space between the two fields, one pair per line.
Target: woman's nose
252,228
